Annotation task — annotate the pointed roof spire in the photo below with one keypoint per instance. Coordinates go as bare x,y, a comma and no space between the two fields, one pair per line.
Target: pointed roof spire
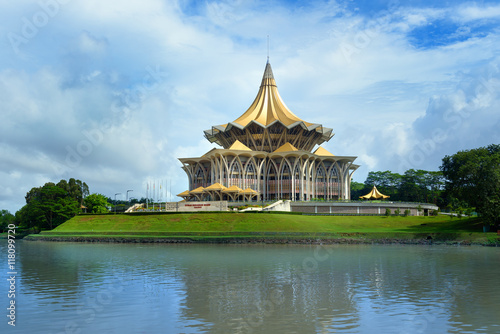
268,107
268,77
268,49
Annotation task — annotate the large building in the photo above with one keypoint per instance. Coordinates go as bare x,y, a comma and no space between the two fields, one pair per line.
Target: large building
267,154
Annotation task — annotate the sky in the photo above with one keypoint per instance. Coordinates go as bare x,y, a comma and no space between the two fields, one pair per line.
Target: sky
114,93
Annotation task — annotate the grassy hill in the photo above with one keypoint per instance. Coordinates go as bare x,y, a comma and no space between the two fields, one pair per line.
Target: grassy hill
217,226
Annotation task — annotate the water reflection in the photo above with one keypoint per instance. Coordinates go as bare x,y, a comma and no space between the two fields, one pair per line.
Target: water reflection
66,287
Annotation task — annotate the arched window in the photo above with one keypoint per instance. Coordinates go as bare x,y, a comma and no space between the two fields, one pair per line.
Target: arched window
251,176
334,184
321,187
285,181
272,182
297,182
199,178
235,174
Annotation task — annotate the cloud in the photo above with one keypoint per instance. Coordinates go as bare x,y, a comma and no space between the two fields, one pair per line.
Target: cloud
472,12
114,96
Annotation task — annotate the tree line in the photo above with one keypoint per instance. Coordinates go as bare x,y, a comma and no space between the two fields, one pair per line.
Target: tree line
413,186
53,203
468,180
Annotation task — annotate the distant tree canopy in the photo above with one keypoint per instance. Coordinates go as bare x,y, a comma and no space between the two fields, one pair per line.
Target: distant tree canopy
473,176
96,203
412,186
52,204
6,218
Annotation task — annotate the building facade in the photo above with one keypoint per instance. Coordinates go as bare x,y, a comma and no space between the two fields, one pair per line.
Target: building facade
267,154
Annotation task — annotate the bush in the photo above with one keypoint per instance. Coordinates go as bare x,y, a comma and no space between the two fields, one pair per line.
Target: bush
387,212
469,212
397,212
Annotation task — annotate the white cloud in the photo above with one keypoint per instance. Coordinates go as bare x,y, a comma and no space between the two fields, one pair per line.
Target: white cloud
144,79
470,12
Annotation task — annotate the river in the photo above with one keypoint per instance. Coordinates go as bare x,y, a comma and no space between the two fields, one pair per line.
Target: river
207,288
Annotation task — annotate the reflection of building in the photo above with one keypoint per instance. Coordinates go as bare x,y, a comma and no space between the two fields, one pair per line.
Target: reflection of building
268,149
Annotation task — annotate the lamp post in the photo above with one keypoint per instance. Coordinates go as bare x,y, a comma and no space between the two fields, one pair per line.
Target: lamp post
127,193
115,200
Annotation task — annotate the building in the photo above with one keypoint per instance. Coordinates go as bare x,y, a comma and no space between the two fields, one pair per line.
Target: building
267,154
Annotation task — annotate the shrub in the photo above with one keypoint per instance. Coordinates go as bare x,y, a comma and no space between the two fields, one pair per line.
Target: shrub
397,212
407,212
387,212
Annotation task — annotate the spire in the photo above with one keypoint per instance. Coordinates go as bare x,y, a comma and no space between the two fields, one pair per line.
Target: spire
268,49
268,77
268,106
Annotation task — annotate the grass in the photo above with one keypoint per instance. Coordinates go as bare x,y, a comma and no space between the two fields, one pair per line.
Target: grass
219,226
241,222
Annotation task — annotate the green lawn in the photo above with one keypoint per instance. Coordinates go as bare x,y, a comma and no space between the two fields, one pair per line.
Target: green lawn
254,222
215,227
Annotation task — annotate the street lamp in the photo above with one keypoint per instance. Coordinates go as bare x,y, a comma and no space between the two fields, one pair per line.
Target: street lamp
127,193
115,199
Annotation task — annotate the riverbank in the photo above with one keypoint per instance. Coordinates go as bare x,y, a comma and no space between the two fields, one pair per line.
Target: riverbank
269,228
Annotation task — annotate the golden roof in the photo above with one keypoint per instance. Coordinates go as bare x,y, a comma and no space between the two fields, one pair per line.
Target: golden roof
215,186
232,189
374,194
268,107
184,194
286,147
323,152
237,145
266,110
249,191
198,190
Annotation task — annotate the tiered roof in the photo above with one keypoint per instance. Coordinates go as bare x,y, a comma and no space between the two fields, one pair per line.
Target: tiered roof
266,111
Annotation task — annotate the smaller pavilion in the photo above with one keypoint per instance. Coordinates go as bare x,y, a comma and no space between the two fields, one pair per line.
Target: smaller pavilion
374,194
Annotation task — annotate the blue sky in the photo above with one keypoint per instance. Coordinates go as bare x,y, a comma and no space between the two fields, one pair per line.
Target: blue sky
114,94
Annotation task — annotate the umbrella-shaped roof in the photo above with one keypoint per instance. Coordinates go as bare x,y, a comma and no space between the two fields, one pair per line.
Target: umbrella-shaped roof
249,191
374,194
198,190
232,189
215,187
184,194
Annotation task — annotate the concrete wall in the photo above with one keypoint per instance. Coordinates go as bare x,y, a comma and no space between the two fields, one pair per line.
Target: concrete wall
196,206
366,208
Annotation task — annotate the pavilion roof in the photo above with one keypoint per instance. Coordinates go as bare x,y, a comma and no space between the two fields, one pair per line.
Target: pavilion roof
374,194
286,147
184,194
237,145
198,190
323,152
249,191
215,186
232,189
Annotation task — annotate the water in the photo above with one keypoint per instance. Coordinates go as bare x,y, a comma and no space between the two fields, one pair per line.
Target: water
136,288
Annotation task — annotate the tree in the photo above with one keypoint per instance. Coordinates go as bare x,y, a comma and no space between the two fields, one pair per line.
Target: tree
96,203
473,176
51,205
6,218
386,182
357,189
